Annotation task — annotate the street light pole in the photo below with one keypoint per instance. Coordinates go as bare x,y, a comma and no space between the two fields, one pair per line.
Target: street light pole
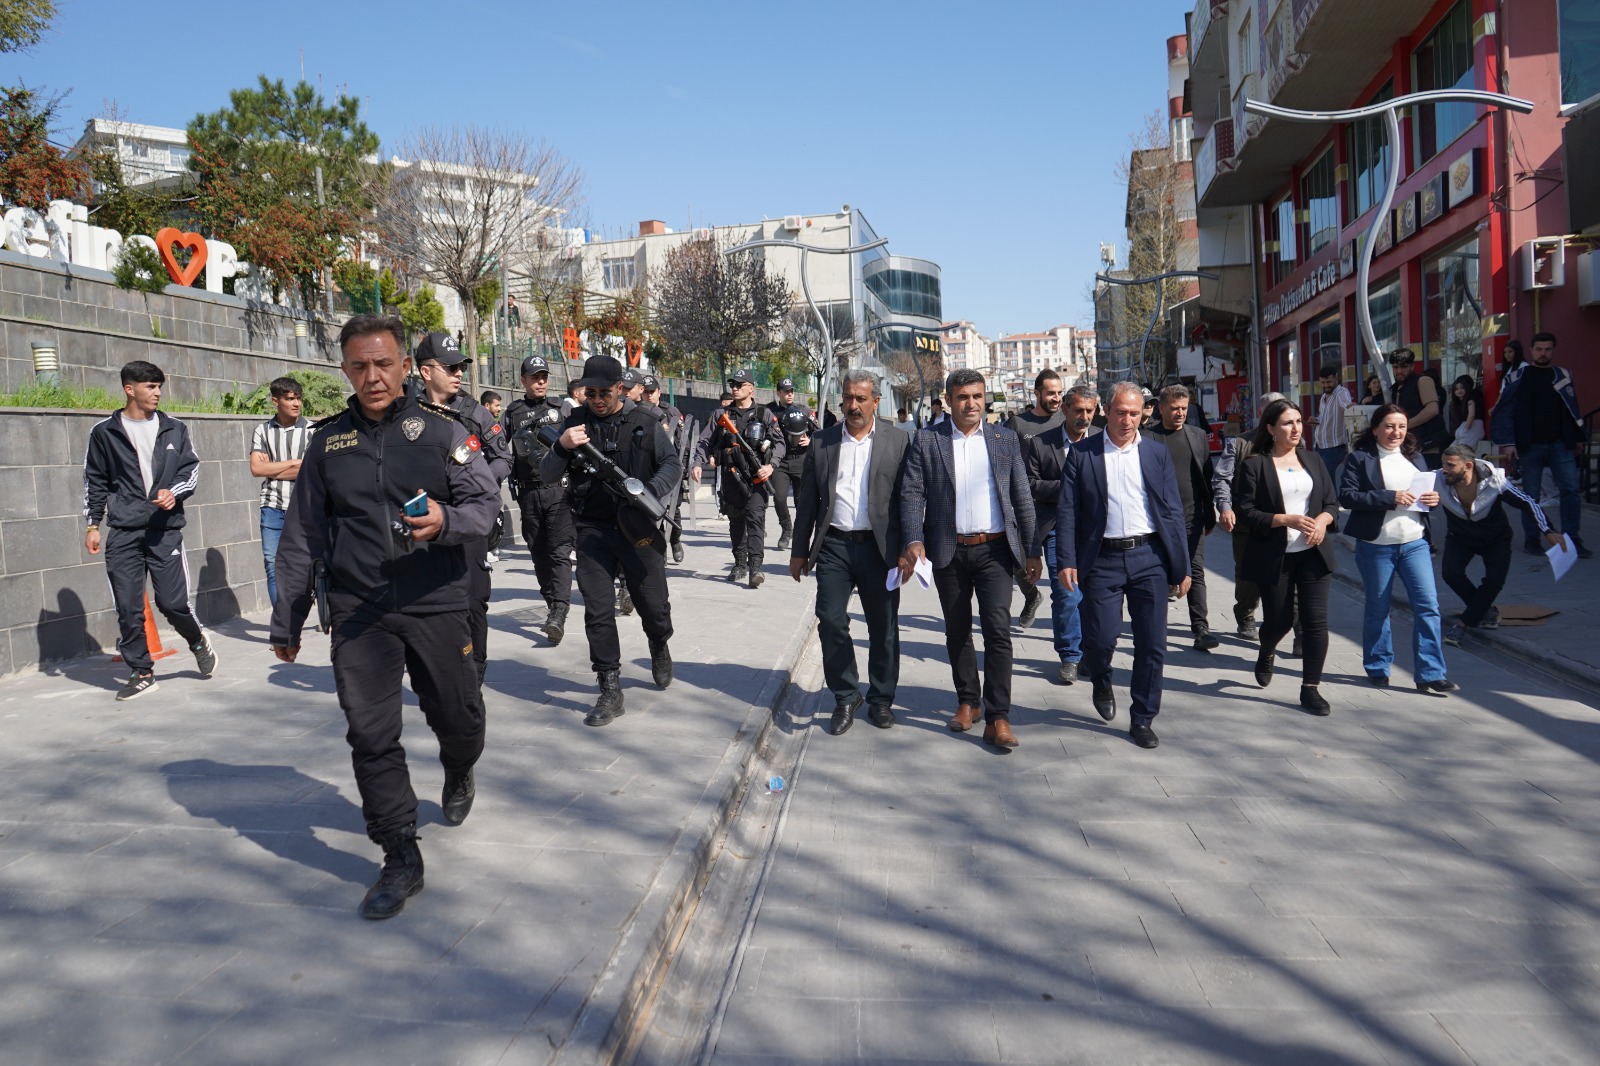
1390,110
1155,316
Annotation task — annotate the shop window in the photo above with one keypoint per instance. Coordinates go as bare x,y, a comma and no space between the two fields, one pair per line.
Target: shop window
1452,338
1324,338
1283,260
1385,308
1370,155
1444,61
1317,193
1580,50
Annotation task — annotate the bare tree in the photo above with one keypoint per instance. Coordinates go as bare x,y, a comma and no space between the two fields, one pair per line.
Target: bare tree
704,300
922,370
804,336
1159,188
465,201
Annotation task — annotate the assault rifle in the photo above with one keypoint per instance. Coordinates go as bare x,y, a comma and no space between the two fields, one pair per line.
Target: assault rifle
751,455
630,490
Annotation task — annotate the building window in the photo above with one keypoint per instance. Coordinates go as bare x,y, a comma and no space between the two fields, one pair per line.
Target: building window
1385,308
1580,51
617,273
1444,61
1284,259
1247,50
1452,338
1370,156
1323,338
1316,192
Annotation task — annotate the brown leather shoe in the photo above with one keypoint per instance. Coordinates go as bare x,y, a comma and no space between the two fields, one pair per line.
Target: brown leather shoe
966,717
998,733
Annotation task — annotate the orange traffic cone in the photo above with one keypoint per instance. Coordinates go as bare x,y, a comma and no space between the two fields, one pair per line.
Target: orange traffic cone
152,636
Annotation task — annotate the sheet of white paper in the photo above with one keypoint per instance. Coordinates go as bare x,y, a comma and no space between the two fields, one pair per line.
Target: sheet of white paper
1423,481
892,582
1561,561
923,572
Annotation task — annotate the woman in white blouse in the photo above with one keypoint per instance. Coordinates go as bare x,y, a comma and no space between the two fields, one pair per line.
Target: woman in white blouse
1284,497
1380,482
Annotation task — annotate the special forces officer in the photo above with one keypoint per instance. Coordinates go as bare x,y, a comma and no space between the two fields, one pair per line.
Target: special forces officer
390,491
672,421
546,518
441,365
745,457
601,448
796,425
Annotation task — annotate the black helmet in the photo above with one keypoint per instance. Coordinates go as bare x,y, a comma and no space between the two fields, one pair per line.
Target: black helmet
794,420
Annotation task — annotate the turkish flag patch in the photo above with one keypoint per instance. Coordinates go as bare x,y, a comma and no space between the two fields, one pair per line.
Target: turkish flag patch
495,428
473,442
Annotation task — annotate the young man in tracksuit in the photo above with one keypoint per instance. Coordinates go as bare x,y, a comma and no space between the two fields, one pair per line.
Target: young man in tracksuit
138,469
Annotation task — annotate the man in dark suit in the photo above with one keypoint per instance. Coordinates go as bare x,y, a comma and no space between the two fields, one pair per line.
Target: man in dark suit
1191,461
847,529
1119,533
1043,456
966,508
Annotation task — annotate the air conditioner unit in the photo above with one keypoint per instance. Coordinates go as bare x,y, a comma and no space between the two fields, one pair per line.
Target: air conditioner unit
1588,267
792,223
1544,263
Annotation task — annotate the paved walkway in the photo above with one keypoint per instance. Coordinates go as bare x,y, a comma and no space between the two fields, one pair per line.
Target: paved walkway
1411,880
179,876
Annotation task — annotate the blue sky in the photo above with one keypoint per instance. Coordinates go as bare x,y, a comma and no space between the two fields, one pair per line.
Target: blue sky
981,136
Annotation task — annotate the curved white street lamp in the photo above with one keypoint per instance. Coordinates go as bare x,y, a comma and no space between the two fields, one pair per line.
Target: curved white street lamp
1155,316
1390,110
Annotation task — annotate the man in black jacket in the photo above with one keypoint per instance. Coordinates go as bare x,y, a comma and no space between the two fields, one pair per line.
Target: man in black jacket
797,426
745,481
546,517
390,493
615,537
1191,459
138,469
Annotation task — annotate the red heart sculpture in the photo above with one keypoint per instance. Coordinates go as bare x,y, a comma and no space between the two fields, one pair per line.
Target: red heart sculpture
197,262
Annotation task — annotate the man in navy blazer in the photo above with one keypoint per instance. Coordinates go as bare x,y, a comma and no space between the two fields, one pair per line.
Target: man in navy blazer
1120,534
965,506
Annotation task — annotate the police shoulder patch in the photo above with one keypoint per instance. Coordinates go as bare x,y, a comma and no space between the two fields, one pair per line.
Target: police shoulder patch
467,450
442,411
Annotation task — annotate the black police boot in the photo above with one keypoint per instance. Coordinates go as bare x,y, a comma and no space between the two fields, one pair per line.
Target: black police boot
739,572
459,791
624,599
609,705
555,626
660,663
753,561
401,877
677,551
786,538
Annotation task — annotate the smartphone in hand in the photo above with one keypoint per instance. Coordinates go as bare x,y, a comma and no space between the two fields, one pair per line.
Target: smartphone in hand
417,506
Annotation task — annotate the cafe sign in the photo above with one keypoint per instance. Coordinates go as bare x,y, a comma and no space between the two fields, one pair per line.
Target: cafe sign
1318,281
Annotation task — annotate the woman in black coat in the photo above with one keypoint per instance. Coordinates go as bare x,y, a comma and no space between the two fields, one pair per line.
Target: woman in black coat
1286,502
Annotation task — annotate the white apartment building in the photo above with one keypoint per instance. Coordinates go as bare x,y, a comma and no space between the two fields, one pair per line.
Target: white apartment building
150,155
1019,357
964,347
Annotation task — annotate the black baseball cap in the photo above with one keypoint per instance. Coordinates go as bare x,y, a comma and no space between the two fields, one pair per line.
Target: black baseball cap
741,377
631,377
651,384
535,364
440,348
786,385
600,372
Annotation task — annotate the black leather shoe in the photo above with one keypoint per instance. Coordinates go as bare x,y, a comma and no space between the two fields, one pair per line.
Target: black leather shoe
459,791
1067,673
1381,680
401,877
1438,688
880,714
844,715
1312,701
1144,736
1105,700
1264,664
1205,641
1247,630
677,552
660,664
1030,607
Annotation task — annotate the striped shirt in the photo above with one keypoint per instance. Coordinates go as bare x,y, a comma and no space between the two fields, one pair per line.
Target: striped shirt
280,444
1331,431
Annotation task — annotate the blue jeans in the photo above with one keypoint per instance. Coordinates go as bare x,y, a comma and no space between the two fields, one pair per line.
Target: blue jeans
271,532
1333,458
1533,461
1379,565
1065,625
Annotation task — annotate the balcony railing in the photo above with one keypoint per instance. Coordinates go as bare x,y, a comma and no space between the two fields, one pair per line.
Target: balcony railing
1215,157
1207,13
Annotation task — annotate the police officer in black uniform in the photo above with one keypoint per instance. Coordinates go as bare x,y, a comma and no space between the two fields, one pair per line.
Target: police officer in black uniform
396,586
441,366
633,385
744,480
796,425
672,421
613,536
546,518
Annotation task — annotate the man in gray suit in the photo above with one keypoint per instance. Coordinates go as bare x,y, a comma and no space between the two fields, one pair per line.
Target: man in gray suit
965,505
847,529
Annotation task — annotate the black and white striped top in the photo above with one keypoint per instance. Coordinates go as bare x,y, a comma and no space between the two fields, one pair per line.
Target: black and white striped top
280,444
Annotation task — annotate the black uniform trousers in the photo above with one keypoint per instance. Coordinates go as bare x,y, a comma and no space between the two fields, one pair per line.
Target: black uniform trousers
845,565
785,475
130,555
372,648
478,591
746,508
603,553
1494,545
1198,622
984,570
1139,576
1245,593
548,532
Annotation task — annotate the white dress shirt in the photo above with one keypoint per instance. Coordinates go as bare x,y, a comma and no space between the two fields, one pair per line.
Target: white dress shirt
1127,507
850,493
977,501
